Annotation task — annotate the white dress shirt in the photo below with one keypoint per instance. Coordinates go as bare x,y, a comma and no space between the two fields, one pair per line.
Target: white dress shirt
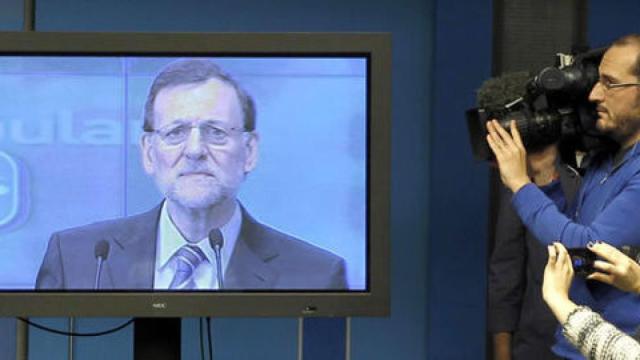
170,240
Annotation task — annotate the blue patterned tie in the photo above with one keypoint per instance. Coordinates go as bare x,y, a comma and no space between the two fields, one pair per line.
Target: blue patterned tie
187,260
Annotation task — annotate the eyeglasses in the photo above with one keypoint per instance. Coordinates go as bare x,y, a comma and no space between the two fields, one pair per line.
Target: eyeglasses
609,85
212,134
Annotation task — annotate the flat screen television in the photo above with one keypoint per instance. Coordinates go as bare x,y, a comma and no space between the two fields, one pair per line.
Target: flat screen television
133,182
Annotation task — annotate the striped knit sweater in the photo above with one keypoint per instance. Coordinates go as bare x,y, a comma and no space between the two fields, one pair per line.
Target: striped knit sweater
597,339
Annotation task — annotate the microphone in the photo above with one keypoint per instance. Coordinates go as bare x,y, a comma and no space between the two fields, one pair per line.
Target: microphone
216,242
497,93
101,252
495,99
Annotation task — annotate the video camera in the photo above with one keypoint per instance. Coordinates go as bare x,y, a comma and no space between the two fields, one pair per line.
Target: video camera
549,107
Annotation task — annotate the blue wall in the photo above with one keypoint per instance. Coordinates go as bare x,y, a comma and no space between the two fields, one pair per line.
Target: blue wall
458,202
610,20
10,15
7,338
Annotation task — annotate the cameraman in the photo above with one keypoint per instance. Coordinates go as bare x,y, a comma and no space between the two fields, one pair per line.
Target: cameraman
607,205
585,329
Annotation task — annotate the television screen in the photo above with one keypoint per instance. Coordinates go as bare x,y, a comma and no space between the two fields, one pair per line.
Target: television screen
176,174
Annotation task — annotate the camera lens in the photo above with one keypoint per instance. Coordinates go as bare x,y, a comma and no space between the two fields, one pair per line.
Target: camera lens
578,262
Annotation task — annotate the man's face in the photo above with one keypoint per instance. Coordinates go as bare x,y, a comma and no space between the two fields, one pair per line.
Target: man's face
196,172
618,108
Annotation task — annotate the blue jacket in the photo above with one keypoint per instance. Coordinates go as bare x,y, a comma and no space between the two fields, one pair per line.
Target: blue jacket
606,208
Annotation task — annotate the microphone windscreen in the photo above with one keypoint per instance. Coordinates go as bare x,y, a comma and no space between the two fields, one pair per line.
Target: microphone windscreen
215,239
102,249
497,92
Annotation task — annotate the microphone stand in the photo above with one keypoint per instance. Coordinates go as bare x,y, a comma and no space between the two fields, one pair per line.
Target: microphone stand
216,251
96,286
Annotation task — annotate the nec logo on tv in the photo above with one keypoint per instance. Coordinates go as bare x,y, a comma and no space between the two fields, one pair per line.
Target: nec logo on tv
11,187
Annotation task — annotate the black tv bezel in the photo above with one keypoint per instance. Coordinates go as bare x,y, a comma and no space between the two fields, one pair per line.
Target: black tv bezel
375,301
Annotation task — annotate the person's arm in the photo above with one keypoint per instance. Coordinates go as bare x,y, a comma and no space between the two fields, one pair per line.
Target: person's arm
597,339
619,221
502,346
584,329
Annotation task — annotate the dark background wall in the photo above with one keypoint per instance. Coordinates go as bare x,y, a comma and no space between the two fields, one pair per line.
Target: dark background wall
609,20
458,199
441,53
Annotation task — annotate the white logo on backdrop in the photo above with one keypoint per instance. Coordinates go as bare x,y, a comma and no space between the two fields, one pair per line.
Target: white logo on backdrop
9,189
62,127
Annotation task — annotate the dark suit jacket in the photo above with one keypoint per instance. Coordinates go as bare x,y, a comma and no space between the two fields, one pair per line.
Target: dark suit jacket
515,281
263,258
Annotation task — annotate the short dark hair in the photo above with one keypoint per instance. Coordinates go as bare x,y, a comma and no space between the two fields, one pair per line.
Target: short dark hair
631,39
193,71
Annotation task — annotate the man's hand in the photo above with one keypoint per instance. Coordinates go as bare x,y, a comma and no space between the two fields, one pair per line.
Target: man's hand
510,154
502,346
615,268
558,275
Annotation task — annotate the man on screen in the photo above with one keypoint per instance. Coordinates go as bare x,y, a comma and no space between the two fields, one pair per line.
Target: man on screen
199,144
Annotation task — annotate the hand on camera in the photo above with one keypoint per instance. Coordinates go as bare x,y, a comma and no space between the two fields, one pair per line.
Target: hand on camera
615,268
510,154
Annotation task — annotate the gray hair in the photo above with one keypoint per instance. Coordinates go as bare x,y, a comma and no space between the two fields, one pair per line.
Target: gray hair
193,71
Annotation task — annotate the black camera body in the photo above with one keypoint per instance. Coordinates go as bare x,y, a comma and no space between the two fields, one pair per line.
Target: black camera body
549,107
582,261
582,258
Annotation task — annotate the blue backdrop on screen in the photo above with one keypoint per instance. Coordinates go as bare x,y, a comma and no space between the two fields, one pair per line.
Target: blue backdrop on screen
70,129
